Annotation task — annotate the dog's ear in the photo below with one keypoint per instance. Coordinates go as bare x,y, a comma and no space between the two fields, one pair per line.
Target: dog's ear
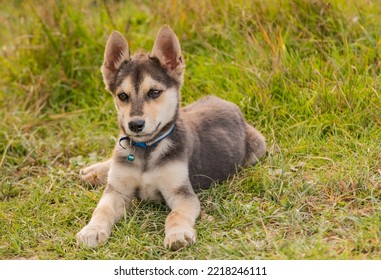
116,52
167,50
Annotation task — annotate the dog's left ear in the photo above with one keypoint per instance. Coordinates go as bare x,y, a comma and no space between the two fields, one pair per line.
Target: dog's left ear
167,50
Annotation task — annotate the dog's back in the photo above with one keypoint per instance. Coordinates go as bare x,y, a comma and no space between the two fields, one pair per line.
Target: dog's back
217,130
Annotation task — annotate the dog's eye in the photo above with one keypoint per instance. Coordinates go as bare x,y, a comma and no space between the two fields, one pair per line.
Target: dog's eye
154,93
123,97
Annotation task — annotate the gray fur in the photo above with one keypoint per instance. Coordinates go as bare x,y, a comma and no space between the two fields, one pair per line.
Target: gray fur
219,140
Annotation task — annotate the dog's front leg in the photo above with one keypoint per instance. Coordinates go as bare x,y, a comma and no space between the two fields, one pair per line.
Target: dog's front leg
185,206
109,210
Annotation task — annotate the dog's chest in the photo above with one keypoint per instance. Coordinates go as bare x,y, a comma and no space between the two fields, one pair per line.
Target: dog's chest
147,176
146,184
148,189
131,178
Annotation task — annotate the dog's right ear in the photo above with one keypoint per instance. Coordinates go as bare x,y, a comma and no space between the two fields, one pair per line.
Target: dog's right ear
116,52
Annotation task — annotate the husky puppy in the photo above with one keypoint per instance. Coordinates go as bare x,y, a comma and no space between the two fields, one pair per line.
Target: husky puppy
165,152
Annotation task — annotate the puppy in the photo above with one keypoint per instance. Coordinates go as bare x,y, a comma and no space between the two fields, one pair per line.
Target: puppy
164,152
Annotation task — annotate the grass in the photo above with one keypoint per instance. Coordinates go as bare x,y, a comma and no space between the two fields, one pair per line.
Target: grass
305,73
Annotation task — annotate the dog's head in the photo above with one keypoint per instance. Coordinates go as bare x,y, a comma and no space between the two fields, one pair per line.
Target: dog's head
145,86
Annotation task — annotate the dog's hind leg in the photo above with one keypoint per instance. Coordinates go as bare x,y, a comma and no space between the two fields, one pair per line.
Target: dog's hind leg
96,174
255,146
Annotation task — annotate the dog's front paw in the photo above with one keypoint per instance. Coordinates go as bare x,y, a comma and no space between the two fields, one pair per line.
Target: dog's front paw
93,235
179,237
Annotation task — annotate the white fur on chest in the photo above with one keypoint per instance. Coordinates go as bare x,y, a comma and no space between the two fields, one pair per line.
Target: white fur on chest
130,178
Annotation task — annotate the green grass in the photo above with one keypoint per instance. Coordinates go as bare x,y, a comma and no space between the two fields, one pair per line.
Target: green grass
305,73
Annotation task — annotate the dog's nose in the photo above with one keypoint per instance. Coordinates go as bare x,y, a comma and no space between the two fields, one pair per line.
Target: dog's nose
136,126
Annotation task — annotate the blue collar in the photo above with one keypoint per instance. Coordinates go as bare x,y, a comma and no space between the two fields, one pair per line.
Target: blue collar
149,143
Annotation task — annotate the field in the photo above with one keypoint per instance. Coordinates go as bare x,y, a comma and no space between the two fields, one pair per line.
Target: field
305,73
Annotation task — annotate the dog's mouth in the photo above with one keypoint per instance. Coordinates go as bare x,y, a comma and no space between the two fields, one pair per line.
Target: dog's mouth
141,137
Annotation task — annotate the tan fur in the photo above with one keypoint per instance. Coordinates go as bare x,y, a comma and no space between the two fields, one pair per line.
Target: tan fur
160,111
179,230
96,174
